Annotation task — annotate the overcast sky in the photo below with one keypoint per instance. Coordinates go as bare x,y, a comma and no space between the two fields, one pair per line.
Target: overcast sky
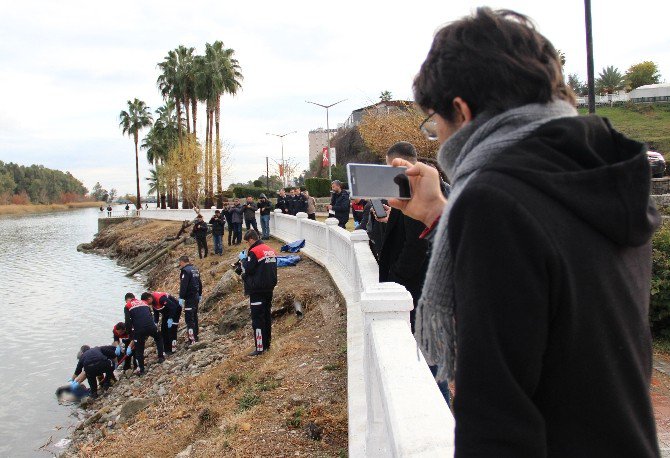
68,67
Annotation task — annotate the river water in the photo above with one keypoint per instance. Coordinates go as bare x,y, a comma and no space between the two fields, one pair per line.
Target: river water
53,300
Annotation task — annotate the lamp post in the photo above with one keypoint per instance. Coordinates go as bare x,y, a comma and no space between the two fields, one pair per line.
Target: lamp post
590,74
283,167
330,159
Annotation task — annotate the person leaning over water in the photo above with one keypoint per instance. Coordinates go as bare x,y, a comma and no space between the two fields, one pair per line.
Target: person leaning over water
93,363
537,293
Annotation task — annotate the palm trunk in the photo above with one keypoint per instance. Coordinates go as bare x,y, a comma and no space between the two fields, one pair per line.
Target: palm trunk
137,169
211,157
219,190
178,105
206,171
194,110
188,118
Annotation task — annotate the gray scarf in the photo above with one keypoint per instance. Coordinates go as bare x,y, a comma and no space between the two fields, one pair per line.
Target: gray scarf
466,152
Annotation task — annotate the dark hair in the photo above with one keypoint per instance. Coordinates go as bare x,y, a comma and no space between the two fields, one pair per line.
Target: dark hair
184,258
494,61
251,235
403,150
82,350
145,295
130,296
121,326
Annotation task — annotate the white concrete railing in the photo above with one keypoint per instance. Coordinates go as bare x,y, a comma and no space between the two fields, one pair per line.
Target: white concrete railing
119,214
395,407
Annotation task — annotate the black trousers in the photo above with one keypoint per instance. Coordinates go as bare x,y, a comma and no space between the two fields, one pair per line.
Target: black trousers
202,245
251,222
230,234
191,317
140,338
261,319
128,359
94,370
169,335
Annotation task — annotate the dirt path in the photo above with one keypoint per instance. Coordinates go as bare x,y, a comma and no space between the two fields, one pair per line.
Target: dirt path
212,400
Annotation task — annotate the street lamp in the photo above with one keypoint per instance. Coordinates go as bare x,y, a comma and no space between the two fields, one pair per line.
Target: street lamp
330,159
283,166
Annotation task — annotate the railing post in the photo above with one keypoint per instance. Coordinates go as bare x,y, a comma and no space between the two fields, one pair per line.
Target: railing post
273,220
383,301
299,218
330,223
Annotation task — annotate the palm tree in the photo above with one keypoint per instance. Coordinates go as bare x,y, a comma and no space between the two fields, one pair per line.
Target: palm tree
225,77
131,122
610,80
160,140
385,96
155,185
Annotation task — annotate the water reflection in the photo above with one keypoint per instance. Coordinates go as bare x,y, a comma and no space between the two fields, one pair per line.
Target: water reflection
53,300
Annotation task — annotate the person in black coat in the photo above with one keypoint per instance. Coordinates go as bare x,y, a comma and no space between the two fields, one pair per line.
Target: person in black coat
229,220
339,203
282,201
402,254
199,232
92,363
218,224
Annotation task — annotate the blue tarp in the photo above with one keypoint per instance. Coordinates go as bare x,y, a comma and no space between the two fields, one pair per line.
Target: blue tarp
293,247
288,261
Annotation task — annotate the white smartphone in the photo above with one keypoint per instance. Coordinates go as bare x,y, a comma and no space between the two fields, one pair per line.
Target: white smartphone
373,181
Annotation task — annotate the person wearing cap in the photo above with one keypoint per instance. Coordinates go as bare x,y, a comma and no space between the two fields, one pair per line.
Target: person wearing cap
167,312
265,206
199,232
259,274
92,363
218,226
190,293
339,203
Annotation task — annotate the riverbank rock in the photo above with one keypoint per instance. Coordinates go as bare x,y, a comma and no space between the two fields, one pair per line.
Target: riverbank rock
85,247
131,407
225,286
234,318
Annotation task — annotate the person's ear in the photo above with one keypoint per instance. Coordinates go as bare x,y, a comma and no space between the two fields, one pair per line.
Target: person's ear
462,110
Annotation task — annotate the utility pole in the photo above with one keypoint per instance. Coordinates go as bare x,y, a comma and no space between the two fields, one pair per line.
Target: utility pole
330,159
267,174
589,57
283,165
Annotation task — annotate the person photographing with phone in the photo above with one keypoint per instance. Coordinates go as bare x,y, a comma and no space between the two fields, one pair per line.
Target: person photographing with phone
536,298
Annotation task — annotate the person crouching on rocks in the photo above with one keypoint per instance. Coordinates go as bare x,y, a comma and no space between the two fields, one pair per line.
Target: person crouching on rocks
259,273
167,312
190,293
121,341
140,319
92,363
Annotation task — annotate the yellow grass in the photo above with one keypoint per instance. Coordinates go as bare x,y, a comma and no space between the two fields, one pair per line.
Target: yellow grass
30,208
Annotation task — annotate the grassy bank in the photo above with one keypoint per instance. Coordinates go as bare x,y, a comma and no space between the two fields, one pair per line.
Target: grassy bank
212,400
647,123
37,208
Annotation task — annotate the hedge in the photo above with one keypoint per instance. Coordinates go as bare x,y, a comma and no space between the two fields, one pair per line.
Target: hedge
318,187
659,306
244,191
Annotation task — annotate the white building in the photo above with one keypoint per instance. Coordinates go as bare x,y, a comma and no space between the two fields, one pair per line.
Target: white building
318,140
651,93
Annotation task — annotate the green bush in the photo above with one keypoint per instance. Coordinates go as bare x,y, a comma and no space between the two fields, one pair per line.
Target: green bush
244,191
659,307
318,187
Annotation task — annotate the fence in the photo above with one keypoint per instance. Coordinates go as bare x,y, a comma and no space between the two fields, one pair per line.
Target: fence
395,408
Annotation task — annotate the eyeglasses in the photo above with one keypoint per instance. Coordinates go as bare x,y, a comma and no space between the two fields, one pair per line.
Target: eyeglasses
429,127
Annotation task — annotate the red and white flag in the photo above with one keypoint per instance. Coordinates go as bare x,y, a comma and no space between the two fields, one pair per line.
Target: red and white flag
326,157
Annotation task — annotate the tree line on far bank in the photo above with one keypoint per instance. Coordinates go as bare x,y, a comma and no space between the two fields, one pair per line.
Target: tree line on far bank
37,184
183,166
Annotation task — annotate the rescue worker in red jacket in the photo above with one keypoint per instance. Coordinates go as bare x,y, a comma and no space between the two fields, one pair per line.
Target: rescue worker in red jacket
141,321
121,339
259,272
167,312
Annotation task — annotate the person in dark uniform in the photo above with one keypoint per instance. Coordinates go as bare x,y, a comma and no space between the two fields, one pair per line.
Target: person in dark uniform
200,233
127,209
109,211
259,273
229,220
339,203
300,201
218,226
121,341
140,319
290,202
94,362
190,293
250,208
167,312
282,201
236,214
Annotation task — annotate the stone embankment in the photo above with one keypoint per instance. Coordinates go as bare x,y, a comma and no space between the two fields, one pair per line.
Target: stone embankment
211,399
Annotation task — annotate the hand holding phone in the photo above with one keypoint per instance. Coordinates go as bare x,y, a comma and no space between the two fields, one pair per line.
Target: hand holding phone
378,209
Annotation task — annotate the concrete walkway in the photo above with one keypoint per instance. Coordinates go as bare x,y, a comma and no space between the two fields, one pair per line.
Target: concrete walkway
660,398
